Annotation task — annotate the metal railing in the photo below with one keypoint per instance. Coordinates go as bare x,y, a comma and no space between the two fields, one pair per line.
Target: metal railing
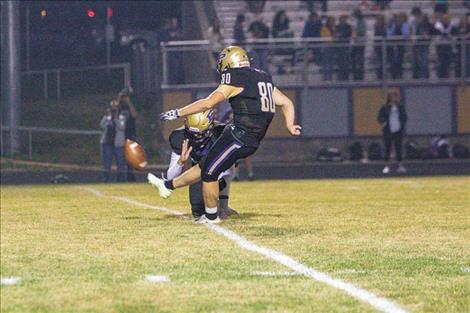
31,130
100,78
316,61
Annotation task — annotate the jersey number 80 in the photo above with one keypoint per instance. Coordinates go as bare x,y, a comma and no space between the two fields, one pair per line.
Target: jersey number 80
266,95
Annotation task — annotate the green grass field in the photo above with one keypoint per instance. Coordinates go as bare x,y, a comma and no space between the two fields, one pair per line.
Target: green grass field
407,240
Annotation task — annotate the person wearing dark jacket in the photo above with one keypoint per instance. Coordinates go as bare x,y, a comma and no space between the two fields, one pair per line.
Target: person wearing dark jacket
127,108
392,117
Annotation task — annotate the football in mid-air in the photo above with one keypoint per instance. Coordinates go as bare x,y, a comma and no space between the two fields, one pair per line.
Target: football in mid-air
135,155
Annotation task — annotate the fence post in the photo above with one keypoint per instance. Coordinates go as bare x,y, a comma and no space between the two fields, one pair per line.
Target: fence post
463,73
165,65
1,140
305,74
30,144
384,63
59,94
127,75
46,94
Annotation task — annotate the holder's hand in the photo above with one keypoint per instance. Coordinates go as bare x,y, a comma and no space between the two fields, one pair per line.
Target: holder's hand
185,152
169,115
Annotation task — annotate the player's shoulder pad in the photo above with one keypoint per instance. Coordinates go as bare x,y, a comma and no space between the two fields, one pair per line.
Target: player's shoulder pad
176,139
233,77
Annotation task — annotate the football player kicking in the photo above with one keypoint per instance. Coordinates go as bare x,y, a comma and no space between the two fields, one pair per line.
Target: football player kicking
190,143
253,98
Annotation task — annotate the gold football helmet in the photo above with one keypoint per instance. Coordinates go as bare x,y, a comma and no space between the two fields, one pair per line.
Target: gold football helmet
232,57
199,123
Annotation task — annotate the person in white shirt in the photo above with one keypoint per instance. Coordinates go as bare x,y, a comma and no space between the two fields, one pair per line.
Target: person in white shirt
392,117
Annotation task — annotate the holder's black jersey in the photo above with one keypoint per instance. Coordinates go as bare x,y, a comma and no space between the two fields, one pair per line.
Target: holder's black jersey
200,146
253,108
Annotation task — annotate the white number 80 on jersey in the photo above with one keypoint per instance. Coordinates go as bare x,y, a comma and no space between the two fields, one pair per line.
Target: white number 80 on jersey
266,95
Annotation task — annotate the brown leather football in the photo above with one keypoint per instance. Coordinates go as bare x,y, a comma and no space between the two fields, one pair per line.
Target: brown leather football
135,155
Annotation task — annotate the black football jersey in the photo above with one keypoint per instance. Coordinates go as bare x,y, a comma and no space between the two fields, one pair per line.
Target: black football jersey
254,108
200,146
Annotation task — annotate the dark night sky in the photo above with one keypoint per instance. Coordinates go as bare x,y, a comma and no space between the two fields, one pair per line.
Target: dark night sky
64,36
137,14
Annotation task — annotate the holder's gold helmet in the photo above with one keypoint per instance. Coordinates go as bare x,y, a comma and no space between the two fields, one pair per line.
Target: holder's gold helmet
232,57
198,125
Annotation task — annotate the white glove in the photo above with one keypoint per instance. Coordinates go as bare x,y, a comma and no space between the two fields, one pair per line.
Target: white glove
169,115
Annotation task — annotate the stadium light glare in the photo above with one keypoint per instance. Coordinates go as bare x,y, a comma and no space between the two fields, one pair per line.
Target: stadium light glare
91,13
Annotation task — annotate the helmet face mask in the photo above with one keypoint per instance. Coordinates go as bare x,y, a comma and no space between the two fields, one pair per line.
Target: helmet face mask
232,57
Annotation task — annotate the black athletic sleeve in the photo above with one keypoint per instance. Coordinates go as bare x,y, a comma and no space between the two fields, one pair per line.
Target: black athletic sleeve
176,140
233,77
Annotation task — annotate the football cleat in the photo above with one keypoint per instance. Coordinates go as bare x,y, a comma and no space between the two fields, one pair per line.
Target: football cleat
204,220
160,185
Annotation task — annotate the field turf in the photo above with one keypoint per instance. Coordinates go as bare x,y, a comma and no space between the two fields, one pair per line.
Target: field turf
404,239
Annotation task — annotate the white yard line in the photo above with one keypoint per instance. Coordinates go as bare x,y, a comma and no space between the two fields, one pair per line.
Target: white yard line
9,281
381,304
157,278
274,273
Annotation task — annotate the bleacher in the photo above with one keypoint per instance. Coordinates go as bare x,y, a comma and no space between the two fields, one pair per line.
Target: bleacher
298,13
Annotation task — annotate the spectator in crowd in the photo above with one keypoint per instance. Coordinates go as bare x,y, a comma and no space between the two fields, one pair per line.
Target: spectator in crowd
359,36
312,29
343,53
214,35
383,4
127,108
440,7
172,32
392,117
311,5
112,141
256,6
421,31
259,30
312,26
328,52
445,32
398,33
239,30
465,31
281,28
463,47
380,32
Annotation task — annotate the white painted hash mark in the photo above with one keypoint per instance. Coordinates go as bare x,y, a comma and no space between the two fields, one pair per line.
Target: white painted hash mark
9,281
274,273
381,304
157,278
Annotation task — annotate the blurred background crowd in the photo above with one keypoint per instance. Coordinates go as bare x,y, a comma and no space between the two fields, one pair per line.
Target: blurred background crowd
118,64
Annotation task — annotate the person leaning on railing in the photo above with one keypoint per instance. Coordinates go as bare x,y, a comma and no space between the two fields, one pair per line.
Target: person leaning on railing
464,39
445,34
421,30
112,141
